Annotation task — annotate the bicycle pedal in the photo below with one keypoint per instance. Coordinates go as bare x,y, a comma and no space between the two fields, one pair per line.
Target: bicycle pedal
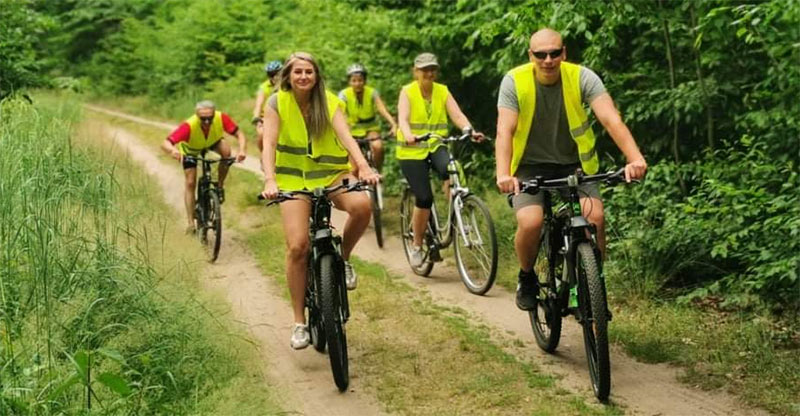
435,256
609,315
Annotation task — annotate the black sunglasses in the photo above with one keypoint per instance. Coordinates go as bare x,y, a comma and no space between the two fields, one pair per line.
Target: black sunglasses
555,53
207,120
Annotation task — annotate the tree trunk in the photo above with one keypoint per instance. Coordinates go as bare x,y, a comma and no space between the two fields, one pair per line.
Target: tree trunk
675,150
703,91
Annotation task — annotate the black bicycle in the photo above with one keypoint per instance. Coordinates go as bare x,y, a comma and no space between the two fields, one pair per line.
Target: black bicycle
326,292
468,224
207,212
569,261
376,191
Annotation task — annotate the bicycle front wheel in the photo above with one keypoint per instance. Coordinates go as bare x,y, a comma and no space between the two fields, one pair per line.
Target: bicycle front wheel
593,309
376,213
546,318
333,319
476,246
212,226
407,233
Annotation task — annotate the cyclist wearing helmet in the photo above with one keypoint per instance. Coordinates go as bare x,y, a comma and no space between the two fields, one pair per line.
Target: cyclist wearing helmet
272,68
361,102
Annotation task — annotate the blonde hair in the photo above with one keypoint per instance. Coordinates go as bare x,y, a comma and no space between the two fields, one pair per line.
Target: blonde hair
318,121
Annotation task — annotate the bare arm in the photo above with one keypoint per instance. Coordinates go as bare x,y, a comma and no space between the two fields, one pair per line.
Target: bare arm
385,114
403,111
272,123
241,153
260,98
171,150
454,111
506,126
346,139
605,111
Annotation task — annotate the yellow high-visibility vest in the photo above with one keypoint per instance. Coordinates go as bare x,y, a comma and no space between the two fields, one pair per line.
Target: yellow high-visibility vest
421,122
579,127
199,141
361,116
301,163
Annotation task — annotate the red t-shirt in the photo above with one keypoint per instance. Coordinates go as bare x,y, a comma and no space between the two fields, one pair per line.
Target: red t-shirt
181,134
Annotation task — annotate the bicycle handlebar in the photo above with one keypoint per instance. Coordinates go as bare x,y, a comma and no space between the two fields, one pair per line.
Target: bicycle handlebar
362,139
318,192
228,160
611,178
450,139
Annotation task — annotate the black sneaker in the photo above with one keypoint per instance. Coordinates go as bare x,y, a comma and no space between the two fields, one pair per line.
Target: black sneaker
527,290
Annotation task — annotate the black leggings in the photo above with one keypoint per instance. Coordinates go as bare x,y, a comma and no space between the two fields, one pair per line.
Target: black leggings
416,173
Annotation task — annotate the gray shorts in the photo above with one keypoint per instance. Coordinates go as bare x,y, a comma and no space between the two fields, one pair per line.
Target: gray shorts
548,171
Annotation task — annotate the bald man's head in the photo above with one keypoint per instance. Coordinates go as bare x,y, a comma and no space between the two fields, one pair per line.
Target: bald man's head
545,39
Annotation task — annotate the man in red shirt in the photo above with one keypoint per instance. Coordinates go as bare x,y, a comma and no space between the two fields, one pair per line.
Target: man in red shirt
204,130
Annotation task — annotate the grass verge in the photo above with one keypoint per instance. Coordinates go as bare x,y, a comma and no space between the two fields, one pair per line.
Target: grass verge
99,311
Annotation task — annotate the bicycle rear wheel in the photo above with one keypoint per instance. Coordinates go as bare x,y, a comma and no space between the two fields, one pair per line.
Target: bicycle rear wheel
376,213
406,212
546,318
212,226
333,319
476,246
593,306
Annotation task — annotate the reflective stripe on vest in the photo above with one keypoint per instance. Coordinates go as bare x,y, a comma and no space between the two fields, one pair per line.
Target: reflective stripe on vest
298,165
421,123
199,141
579,127
361,115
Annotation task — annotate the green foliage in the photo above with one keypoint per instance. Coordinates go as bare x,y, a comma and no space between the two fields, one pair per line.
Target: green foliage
21,32
738,229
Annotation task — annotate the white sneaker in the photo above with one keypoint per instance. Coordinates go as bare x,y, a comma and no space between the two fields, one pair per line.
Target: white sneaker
300,336
415,257
350,277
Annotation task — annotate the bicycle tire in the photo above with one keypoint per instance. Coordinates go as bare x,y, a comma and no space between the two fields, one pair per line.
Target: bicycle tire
406,211
376,215
333,319
213,226
593,306
478,271
315,329
546,320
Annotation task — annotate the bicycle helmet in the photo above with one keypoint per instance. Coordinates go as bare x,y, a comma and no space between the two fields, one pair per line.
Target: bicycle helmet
356,69
272,67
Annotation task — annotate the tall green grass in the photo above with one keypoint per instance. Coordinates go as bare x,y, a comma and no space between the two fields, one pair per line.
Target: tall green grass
96,312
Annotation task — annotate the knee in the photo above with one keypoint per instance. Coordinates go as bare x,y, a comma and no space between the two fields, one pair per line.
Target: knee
191,183
360,209
297,249
424,201
596,217
529,224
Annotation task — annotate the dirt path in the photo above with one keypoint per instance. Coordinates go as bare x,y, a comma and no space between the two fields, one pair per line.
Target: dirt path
641,389
303,380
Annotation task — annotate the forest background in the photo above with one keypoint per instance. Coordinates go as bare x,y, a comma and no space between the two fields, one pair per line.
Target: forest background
709,89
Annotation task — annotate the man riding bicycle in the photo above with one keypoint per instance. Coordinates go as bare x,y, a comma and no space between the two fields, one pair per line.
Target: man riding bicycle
361,102
543,130
203,131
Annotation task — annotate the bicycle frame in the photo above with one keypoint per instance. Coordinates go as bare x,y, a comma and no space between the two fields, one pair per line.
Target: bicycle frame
443,233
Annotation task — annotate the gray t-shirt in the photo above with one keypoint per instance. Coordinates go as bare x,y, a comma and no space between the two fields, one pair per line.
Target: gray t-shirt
549,140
